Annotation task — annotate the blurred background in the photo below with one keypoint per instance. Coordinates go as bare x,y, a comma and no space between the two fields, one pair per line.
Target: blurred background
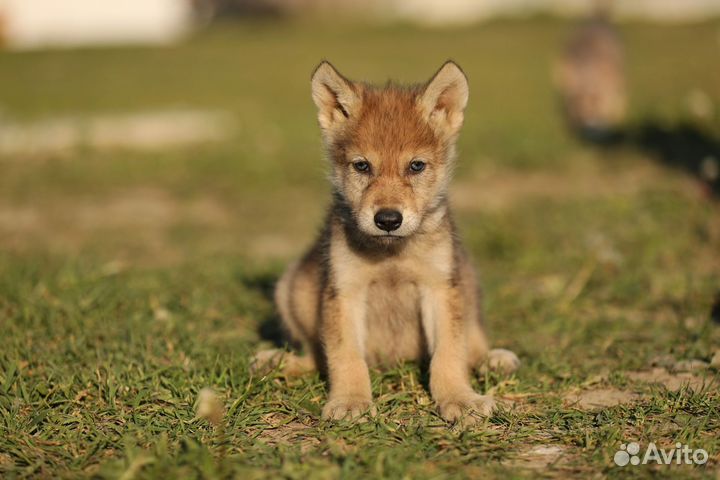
160,163
160,131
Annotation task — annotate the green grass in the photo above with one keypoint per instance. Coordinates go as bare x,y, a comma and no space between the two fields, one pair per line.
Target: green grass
115,315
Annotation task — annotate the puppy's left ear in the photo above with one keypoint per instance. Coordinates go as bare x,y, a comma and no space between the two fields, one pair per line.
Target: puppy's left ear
443,101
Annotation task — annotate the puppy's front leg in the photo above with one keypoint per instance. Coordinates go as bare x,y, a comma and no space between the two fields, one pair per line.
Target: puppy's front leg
443,322
343,331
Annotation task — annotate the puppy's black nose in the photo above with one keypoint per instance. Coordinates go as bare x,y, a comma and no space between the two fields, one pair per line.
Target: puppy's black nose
388,220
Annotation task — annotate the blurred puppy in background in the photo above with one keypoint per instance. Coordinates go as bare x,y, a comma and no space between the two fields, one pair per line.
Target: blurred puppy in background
590,78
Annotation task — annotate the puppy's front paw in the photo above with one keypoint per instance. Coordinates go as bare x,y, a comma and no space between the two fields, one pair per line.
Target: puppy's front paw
502,361
348,408
466,409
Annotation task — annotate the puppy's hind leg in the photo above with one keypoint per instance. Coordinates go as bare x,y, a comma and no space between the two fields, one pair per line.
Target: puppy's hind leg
485,360
501,361
289,364
480,356
296,298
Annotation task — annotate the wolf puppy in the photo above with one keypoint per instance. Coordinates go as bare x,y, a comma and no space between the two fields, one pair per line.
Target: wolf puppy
387,279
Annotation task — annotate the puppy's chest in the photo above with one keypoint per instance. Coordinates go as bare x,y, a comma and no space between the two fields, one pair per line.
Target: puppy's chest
393,319
393,295
392,290
417,270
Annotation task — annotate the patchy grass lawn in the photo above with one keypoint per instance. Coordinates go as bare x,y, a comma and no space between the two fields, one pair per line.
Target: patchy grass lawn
131,279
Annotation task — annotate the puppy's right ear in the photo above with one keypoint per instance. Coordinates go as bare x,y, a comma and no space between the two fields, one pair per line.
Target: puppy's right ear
336,97
444,100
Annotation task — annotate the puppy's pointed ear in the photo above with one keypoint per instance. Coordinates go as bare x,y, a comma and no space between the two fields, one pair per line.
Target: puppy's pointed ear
444,99
337,98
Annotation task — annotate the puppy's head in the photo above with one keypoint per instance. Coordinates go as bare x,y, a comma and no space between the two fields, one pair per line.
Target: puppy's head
391,148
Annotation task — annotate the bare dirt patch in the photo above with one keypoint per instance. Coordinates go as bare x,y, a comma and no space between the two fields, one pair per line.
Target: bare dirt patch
600,398
671,381
715,362
539,456
147,130
140,218
500,189
134,208
283,431
6,459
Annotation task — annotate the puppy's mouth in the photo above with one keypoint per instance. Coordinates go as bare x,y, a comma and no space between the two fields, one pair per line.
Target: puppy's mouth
389,236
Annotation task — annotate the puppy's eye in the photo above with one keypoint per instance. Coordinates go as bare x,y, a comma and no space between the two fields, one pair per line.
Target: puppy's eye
417,166
362,166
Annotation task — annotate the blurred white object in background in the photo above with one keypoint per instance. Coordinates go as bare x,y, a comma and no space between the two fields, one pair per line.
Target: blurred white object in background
444,12
31,24
668,10
433,12
146,130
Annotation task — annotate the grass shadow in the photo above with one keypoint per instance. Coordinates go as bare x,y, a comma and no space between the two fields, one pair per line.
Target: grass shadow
715,309
270,328
685,147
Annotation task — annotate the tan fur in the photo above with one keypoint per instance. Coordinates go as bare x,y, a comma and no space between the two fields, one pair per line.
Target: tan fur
365,297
